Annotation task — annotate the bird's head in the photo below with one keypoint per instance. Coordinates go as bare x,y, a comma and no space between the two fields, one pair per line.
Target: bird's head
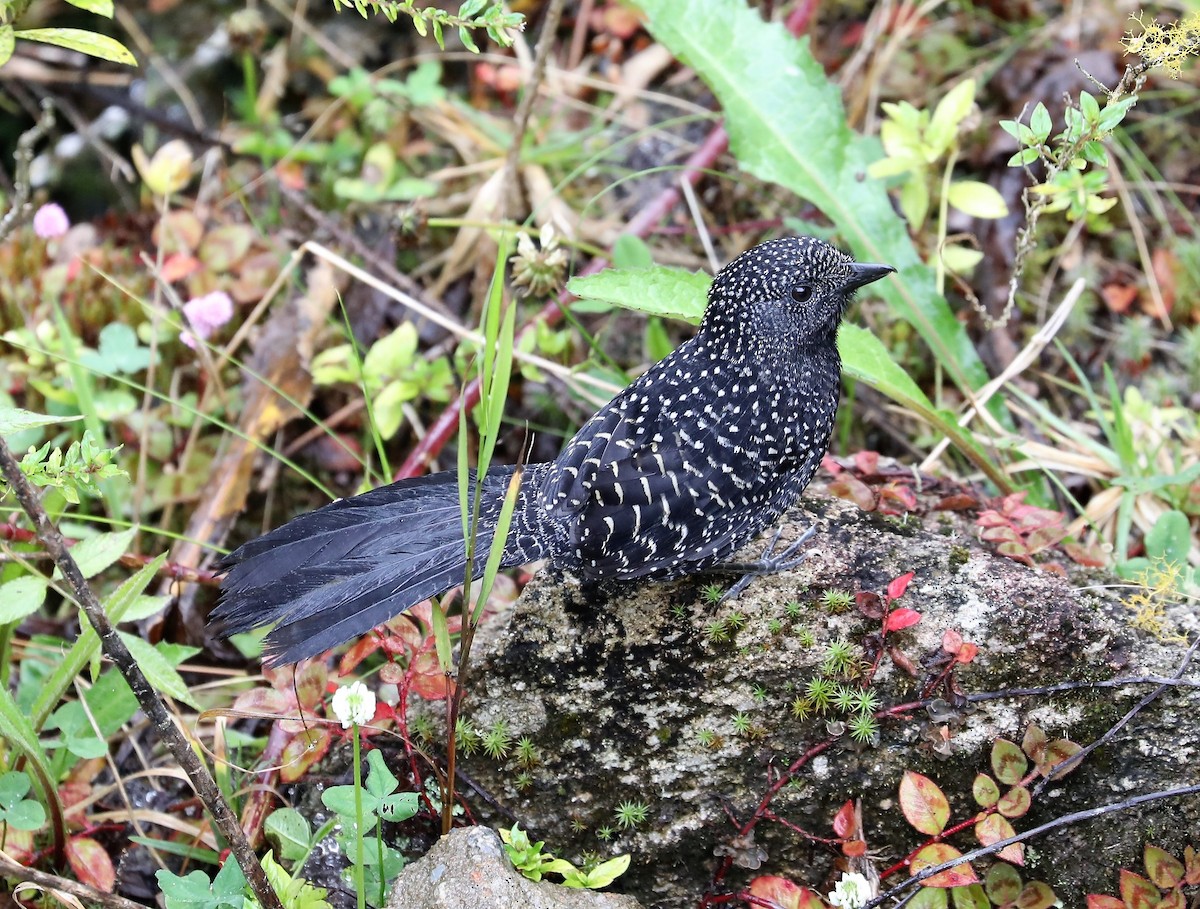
794,290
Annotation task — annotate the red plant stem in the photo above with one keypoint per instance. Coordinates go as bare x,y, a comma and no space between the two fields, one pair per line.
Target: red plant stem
172,570
950,831
763,809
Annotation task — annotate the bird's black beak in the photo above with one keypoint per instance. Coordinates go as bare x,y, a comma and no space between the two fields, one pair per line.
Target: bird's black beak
862,274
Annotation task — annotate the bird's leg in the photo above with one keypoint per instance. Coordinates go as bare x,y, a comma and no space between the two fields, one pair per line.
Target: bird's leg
769,563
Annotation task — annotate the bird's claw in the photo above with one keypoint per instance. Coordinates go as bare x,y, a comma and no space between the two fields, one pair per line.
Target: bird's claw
769,563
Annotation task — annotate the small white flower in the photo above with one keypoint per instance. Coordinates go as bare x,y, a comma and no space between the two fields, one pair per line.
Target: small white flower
852,891
354,704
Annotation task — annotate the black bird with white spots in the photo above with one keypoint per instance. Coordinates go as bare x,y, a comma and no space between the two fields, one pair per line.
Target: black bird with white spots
688,464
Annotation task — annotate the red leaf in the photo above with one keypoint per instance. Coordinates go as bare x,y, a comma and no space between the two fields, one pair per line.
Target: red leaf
869,604
429,681
1191,862
1037,895
993,829
854,849
854,489
91,864
303,751
867,462
784,893
901,618
1137,892
937,854
831,465
1056,753
952,641
956,502
178,266
1103,901
897,586
1118,297
1089,555
1008,762
1015,803
896,498
843,821
985,791
923,803
1034,743
359,651
1163,868
967,652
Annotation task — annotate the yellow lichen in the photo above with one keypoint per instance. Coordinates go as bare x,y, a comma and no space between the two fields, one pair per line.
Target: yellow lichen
1165,46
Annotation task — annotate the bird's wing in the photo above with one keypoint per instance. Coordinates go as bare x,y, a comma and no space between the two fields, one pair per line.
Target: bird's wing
664,478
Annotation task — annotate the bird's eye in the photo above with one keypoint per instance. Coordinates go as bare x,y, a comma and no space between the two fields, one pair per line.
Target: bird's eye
802,293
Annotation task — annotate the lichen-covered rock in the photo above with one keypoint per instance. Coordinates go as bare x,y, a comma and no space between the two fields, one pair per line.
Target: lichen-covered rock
469,870
632,696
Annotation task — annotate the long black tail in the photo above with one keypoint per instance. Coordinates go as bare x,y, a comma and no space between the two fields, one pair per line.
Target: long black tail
334,574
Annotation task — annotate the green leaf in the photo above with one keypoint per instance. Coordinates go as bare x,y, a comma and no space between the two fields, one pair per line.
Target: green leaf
388,407
786,126
1169,539
94,554
960,259
1114,112
914,200
82,40
605,873
7,43
1089,107
631,251
391,354
1039,122
117,607
158,669
119,352
21,740
290,832
14,419
21,597
1023,157
950,112
977,199
99,7
660,291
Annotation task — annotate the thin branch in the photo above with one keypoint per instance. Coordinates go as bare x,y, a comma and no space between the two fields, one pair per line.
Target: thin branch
19,203
149,699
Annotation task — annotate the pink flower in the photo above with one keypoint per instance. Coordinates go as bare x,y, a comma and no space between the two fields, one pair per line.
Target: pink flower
206,314
50,221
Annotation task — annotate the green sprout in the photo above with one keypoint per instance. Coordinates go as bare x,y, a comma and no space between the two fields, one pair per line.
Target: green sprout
629,814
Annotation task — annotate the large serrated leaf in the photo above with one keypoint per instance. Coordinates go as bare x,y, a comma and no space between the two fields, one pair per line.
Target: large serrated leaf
786,126
94,554
118,606
659,291
158,669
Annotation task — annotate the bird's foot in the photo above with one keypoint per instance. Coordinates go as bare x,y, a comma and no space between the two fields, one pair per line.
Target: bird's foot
769,563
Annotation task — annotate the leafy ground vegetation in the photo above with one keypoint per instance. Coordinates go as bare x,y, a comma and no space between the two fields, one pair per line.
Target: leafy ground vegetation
254,257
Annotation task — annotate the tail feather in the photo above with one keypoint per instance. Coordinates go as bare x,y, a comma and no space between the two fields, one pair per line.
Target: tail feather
334,574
